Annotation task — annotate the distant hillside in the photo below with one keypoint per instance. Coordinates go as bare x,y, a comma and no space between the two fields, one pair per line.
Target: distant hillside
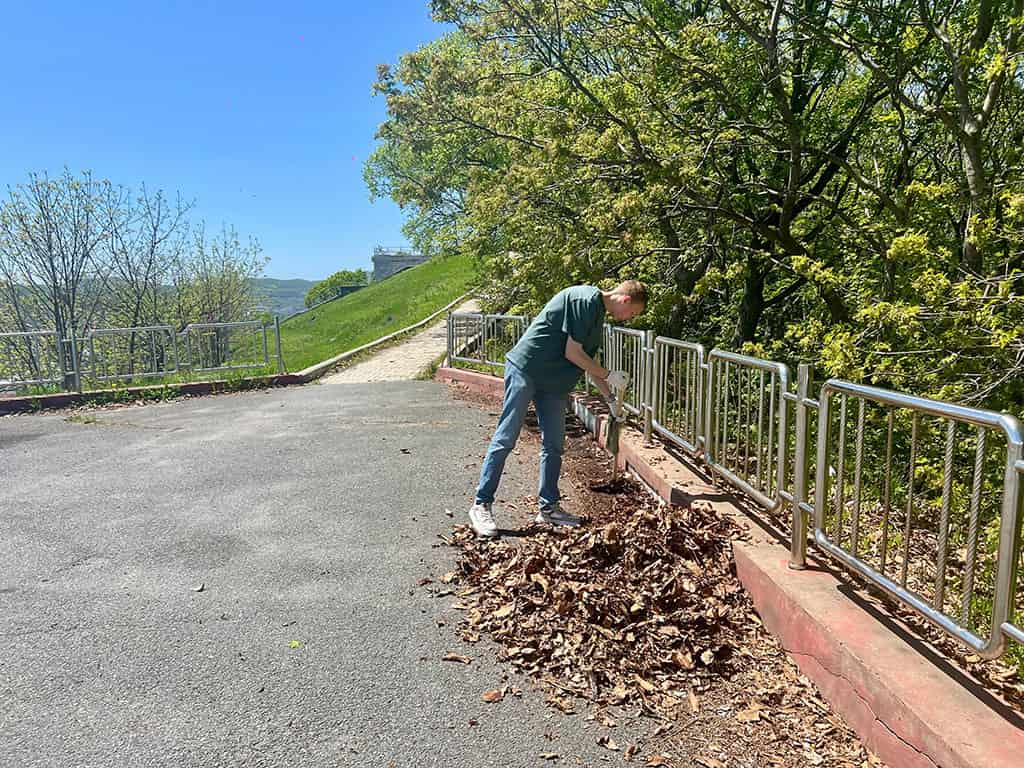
281,297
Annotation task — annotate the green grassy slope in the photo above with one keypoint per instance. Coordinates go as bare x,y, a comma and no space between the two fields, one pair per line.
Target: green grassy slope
375,311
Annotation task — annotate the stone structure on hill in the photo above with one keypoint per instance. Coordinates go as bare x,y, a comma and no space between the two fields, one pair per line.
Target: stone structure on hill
387,261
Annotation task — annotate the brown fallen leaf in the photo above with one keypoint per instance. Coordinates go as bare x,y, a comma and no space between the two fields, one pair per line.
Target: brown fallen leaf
709,762
608,743
694,702
683,659
456,657
494,696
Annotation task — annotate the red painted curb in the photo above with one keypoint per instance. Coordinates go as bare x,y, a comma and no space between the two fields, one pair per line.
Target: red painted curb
907,703
475,381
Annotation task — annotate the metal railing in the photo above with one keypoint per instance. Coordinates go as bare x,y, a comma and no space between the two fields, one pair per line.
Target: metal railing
101,355
627,350
875,522
483,339
746,432
111,354
226,346
919,532
678,396
30,358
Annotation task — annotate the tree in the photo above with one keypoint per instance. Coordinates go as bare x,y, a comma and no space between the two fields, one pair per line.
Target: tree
330,287
795,179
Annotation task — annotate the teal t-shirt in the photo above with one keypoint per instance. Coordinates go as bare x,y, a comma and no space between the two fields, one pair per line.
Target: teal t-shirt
577,312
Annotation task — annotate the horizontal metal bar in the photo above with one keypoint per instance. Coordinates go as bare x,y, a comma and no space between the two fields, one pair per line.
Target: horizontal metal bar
664,431
105,331
981,417
1014,633
747,360
136,375
805,506
234,367
986,649
793,397
14,383
22,334
619,330
765,501
238,324
670,342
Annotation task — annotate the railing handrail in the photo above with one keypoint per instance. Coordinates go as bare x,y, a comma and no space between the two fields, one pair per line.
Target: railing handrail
128,329
982,417
8,334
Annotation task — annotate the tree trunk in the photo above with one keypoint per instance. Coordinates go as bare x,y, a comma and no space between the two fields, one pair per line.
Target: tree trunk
975,172
752,305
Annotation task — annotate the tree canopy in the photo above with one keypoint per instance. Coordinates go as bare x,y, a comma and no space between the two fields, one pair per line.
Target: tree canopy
826,181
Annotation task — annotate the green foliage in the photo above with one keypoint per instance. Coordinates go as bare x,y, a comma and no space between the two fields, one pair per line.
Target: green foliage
328,287
807,190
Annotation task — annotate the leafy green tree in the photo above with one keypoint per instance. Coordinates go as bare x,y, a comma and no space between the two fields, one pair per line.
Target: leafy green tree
329,287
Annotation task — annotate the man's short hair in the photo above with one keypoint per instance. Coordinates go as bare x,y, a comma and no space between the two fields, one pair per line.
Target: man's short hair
636,290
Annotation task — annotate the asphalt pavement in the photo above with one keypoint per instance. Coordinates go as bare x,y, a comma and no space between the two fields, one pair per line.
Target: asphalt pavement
235,581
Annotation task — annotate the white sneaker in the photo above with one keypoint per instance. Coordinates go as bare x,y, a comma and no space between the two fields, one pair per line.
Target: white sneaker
557,516
483,521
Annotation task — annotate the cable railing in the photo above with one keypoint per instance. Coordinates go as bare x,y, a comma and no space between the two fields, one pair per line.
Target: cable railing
919,497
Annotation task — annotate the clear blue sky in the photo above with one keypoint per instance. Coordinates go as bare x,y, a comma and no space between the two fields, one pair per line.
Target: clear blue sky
260,111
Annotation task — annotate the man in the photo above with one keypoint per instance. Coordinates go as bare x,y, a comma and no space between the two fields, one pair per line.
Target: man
543,368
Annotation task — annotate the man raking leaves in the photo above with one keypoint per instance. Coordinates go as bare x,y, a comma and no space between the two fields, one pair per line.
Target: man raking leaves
543,368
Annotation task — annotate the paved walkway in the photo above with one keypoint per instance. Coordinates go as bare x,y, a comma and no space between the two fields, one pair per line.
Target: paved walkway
238,581
404,361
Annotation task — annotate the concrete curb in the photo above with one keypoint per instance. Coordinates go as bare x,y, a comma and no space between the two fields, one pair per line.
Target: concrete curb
481,383
33,403
907,703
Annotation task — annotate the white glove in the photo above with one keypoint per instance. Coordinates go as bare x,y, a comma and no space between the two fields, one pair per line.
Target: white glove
615,408
617,381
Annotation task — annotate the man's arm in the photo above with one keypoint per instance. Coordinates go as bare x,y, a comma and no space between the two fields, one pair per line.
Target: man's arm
575,354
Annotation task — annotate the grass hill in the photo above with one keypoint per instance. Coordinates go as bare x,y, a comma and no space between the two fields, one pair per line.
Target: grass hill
281,297
377,310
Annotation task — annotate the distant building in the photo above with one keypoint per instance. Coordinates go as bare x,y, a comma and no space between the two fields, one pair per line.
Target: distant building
387,261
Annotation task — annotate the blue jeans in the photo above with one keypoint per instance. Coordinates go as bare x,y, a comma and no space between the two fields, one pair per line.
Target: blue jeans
520,390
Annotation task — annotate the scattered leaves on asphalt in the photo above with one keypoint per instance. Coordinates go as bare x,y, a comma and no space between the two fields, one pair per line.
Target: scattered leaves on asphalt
456,657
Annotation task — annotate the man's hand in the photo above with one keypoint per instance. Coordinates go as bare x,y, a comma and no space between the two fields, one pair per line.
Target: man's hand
615,408
618,381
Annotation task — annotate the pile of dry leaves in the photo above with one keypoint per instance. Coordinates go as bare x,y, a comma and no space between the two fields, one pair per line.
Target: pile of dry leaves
632,610
641,610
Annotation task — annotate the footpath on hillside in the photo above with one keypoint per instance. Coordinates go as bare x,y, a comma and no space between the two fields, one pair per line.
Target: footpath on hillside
403,361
